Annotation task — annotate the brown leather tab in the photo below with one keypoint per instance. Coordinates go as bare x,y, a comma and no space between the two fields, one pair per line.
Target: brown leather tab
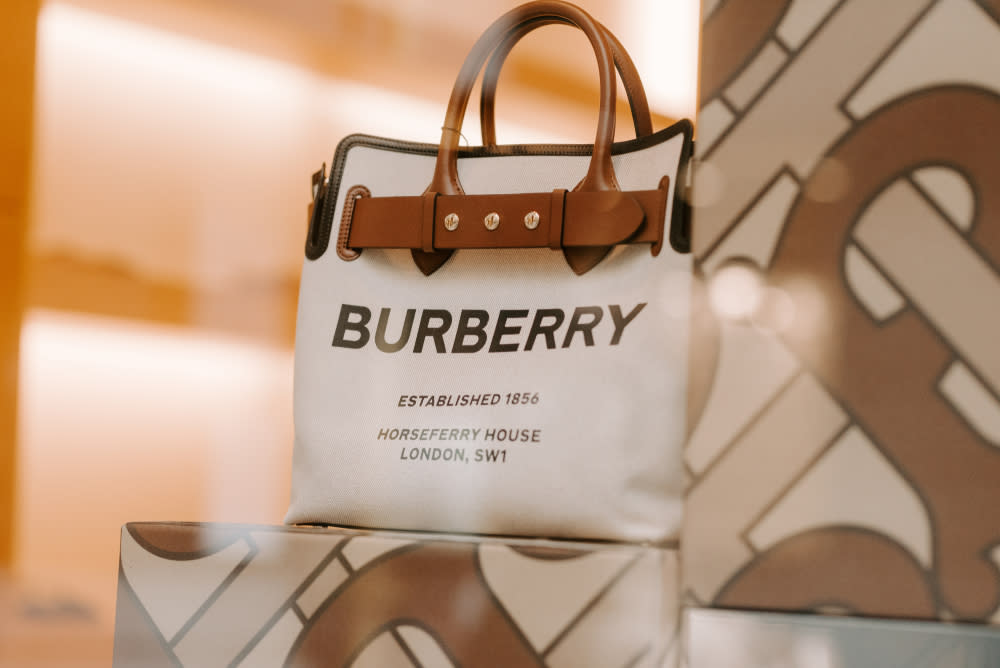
556,224
427,259
582,260
429,200
428,263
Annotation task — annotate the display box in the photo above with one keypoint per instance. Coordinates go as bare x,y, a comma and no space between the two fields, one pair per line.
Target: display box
234,595
845,394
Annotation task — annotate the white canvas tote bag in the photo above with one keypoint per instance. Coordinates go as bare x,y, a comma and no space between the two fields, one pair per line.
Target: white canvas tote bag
494,339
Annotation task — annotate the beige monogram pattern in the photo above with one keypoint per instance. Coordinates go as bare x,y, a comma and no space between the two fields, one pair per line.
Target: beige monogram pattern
845,447
225,595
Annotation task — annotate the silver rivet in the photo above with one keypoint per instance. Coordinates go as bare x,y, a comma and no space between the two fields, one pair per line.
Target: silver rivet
531,220
451,222
492,221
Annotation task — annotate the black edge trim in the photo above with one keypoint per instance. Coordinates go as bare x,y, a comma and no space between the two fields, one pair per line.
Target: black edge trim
318,238
680,218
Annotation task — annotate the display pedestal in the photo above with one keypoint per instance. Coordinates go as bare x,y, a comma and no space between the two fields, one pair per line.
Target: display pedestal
237,595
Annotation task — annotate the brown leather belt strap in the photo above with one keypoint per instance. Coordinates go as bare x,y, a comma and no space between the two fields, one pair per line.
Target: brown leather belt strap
555,220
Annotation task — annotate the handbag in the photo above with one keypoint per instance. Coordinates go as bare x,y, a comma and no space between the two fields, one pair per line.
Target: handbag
493,339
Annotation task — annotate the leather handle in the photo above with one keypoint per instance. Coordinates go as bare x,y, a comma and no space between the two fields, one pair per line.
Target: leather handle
600,174
638,103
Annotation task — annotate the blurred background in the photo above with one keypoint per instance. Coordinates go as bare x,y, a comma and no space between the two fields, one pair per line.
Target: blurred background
156,159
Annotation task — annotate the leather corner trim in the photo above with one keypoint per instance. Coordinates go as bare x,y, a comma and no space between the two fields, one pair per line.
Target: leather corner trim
581,260
680,217
428,263
662,213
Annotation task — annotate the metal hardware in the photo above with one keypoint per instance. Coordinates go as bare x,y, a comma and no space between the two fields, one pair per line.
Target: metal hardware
492,221
531,220
451,222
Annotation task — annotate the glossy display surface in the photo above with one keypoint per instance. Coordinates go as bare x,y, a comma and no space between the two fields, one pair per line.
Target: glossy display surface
729,639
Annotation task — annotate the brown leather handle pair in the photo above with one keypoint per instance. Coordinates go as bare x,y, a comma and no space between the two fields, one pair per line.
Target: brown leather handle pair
600,174
638,103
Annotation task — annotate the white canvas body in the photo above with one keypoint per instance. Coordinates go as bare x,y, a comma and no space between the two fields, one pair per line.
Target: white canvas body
604,424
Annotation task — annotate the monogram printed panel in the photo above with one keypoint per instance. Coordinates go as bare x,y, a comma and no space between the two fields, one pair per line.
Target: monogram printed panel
846,450
223,595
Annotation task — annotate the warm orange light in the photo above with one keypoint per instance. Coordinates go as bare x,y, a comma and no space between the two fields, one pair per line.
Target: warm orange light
663,40
122,422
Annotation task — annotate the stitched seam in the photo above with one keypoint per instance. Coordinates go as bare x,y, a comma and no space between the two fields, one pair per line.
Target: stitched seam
344,233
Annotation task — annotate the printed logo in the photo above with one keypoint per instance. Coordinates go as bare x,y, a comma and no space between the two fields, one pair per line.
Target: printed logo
475,329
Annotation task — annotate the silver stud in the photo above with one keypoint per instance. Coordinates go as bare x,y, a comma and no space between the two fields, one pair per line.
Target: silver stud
492,221
531,220
451,222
